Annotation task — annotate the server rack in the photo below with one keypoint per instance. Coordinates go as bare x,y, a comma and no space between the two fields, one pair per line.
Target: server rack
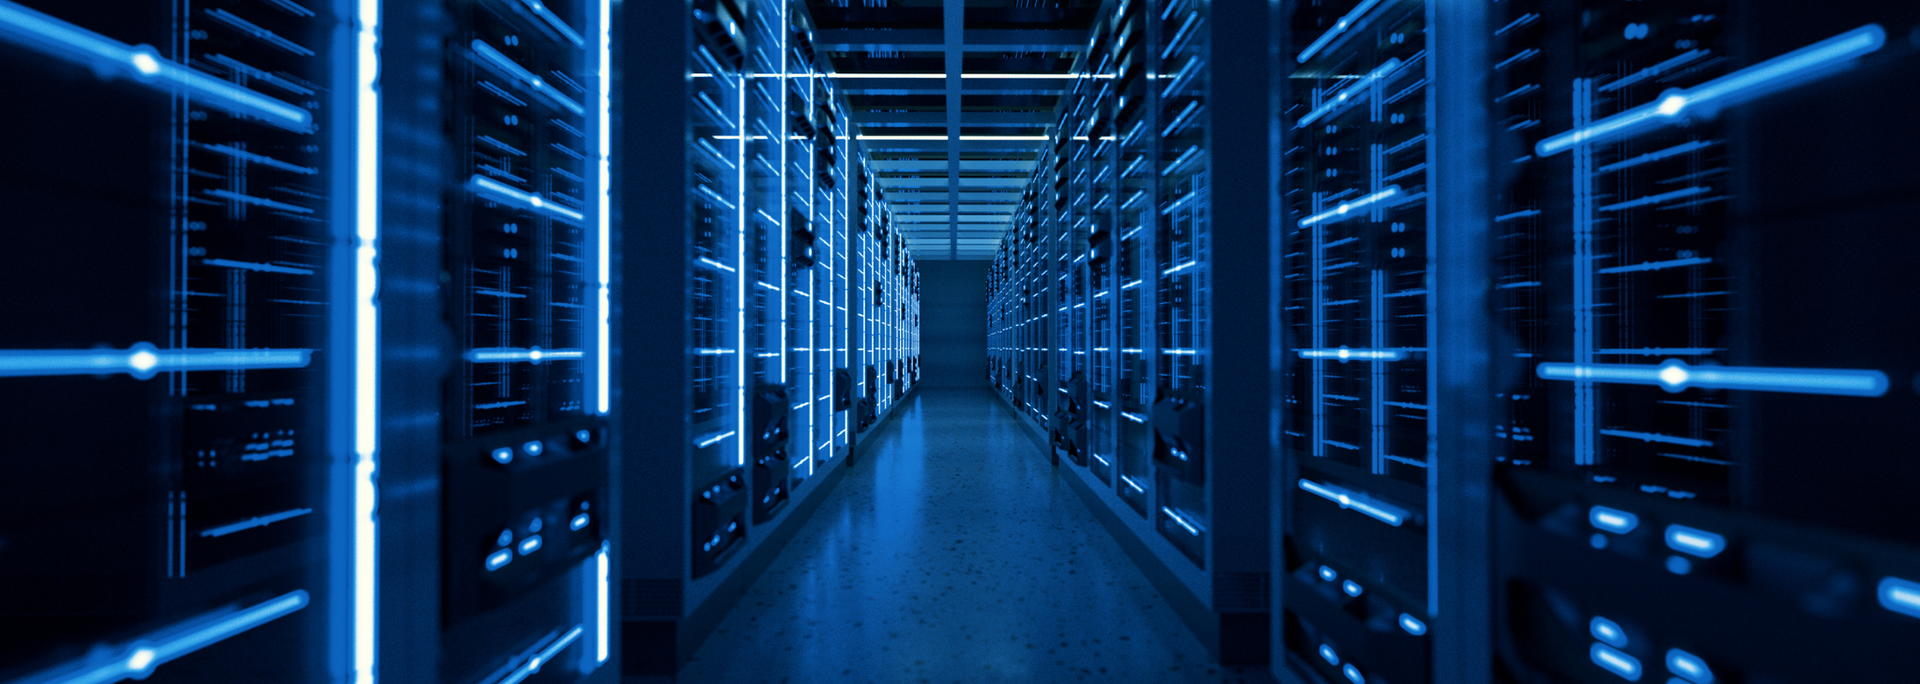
800,309
1664,389
1616,388
1139,252
181,362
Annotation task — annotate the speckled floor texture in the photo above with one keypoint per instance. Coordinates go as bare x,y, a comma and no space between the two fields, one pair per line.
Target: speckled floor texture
952,553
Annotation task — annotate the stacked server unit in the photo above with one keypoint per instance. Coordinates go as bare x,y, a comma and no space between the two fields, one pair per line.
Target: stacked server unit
1101,307
178,360
1702,405
801,309
525,442
1564,382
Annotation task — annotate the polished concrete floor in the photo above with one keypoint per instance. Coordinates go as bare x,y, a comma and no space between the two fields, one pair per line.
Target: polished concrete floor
952,553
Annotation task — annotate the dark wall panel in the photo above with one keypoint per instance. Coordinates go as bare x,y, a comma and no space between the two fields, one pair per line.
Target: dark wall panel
953,338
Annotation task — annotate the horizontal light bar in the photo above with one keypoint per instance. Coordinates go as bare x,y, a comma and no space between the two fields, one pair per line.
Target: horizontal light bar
1676,375
1774,74
137,659
710,440
540,9
1181,520
1615,661
1612,519
1900,596
1357,501
930,76
529,354
964,138
257,521
494,190
143,361
1343,24
544,656
1344,354
1348,210
142,63
1352,93
1696,542
512,69
1608,632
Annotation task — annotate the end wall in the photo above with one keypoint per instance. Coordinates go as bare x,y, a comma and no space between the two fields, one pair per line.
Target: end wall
953,323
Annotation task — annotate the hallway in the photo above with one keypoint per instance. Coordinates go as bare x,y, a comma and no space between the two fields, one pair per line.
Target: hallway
951,553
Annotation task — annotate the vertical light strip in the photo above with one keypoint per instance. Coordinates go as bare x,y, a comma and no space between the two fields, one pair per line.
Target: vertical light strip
740,269
600,562
780,186
604,316
366,337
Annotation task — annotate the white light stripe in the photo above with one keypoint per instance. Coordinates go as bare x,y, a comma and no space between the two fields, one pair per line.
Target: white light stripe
1342,25
142,64
143,361
1357,501
1676,375
500,192
137,659
544,656
1348,210
529,354
508,67
603,248
1774,74
1344,354
366,330
566,31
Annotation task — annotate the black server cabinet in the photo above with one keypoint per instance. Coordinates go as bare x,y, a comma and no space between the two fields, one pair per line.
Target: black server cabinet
178,360
1128,250
1704,391
761,328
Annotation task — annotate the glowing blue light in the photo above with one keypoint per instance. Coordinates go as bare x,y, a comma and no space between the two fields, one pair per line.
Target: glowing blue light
1352,588
1689,666
139,658
1695,542
1328,574
1679,565
529,355
541,11
1675,375
578,522
1327,654
499,559
1413,625
1353,674
253,522
583,436
530,545
1343,24
1357,501
1191,527
1900,596
56,38
498,60
493,190
143,361
533,448
1612,660
710,440
603,232
1612,519
504,455
1350,94
1608,632
1348,210
1344,354
1760,79
544,656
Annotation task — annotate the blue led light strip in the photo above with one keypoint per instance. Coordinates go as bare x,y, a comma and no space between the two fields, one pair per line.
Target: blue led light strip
1181,520
143,64
1344,354
529,354
494,190
542,656
1353,93
1357,501
493,57
137,659
1676,375
1345,23
143,360
1348,210
366,353
603,232
539,9
1775,74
